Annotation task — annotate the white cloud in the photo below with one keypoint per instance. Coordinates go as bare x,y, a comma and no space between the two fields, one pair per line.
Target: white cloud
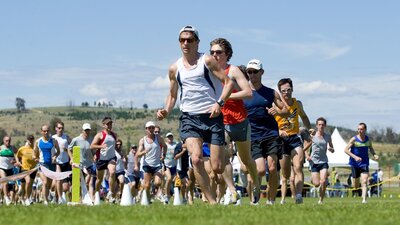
321,49
319,88
160,82
315,45
92,90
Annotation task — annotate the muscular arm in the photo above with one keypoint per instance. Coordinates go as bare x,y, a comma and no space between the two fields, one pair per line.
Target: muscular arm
141,150
303,115
36,151
96,141
279,107
57,148
372,151
220,74
244,90
347,149
172,96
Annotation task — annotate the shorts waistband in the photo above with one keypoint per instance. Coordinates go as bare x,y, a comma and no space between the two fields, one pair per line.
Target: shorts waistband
196,115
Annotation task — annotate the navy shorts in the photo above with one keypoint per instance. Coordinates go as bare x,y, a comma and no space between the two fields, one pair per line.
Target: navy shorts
91,170
49,166
133,178
172,170
119,174
266,147
357,171
315,168
239,132
151,169
183,174
65,167
102,164
290,143
8,172
32,175
211,130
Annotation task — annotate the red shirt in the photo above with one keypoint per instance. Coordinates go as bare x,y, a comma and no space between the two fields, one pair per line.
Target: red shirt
234,111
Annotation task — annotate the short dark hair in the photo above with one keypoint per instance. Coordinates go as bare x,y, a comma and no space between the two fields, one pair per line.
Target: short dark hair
321,119
285,81
242,68
363,124
106,119
30,137
225,44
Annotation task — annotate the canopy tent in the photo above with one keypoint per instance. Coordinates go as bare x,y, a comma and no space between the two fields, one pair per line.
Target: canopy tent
339,158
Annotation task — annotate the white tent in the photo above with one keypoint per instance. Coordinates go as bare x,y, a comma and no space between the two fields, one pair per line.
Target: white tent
339,158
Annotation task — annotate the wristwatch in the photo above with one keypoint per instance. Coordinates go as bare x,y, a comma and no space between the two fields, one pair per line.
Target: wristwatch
220,102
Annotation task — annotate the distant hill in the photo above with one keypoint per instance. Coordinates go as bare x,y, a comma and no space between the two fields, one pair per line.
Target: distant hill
129,125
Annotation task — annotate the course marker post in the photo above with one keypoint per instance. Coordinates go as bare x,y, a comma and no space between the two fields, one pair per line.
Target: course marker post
76,174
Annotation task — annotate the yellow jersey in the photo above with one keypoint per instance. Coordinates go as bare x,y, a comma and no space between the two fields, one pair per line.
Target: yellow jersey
25,153
290,124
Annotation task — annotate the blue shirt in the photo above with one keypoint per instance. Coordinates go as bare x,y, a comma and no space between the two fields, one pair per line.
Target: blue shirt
360,149
263,125
46,150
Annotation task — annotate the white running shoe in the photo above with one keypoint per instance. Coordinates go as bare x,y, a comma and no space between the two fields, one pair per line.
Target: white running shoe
270,202
7,200
28,202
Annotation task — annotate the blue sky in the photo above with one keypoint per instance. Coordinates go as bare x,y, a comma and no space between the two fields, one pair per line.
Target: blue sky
343,56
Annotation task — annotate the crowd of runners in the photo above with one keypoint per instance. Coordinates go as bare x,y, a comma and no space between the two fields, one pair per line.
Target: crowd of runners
226,112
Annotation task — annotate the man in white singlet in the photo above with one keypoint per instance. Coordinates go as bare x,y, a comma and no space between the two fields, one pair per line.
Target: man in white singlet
152,148
204,87
62,161
105,155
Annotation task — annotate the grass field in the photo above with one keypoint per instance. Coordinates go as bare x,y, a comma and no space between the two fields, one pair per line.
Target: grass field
338,211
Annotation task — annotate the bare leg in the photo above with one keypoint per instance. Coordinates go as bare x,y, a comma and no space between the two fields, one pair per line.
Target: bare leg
194,146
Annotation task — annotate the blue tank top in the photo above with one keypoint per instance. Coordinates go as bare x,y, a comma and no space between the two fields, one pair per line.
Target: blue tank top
263,125
360,149
46,150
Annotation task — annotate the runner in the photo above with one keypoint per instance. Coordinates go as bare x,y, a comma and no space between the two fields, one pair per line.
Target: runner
46,150
200,79
105,157
24,158
357,149
318,158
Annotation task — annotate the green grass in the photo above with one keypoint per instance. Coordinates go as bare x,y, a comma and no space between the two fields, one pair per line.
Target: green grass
338,211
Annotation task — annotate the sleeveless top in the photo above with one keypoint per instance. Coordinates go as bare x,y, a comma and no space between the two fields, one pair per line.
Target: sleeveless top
46,150
63,157
169,160
153,157
263,125
199,88
319,148
360,149
6,157
119,164
290,124
234,111
130,164
108,152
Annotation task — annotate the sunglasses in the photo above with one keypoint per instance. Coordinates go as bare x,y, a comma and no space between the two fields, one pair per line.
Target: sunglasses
218,52
60,128
286,90
252,71
188,40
